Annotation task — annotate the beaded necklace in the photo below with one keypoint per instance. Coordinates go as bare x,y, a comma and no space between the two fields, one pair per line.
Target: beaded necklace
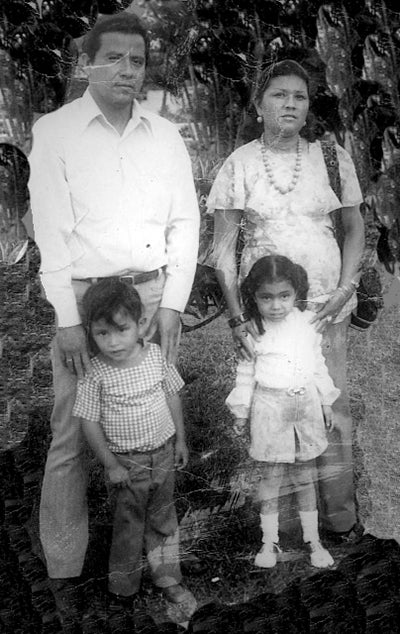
269,171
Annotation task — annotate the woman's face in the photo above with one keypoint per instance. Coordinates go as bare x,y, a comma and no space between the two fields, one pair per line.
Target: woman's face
284,105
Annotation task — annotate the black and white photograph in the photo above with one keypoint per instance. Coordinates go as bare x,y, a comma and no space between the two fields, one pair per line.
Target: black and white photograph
199,317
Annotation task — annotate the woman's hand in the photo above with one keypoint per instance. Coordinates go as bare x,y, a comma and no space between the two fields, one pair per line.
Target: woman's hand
331,309
242,341
328,416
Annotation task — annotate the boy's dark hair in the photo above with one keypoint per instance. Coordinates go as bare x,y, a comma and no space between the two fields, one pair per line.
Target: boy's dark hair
284,68
273,268
105,298
120,23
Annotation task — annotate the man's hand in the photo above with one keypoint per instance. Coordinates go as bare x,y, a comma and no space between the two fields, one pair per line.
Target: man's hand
240,426
328,416
73,347
168,323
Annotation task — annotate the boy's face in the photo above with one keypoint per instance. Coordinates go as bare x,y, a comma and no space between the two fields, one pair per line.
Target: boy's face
118,342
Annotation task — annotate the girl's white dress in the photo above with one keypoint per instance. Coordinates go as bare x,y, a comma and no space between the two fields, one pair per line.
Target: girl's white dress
282,389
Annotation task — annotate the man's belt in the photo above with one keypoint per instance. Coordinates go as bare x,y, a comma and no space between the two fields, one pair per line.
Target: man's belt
132,278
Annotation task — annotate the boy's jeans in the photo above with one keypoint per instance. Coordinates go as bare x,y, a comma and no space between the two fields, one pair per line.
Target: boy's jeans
63,506
145,516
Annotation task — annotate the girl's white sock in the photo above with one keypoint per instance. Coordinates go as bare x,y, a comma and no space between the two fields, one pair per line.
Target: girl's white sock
309,524
267,556
269,527
319,556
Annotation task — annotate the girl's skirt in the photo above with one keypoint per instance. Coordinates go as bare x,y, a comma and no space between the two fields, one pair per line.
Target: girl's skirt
287,425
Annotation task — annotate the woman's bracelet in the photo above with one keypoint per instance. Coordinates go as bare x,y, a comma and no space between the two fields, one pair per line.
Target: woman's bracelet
348,288
233,322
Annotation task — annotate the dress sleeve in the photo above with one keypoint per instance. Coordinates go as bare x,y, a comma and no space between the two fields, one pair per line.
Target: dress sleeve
87,402
351,191
228,190
239,400
325,386
172,381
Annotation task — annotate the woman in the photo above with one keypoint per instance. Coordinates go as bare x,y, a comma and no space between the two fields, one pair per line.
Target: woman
277,189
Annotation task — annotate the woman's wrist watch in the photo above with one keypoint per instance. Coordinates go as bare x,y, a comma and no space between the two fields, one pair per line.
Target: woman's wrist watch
238,320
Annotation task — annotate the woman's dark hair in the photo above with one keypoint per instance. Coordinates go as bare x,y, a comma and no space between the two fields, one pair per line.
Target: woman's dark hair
120,23
270,269
283,68
105,298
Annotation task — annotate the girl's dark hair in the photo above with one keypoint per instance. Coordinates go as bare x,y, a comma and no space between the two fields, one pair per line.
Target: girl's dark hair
105,298
283,68
120,23
270,269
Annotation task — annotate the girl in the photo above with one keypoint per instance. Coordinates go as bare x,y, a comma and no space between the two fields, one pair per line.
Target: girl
287,394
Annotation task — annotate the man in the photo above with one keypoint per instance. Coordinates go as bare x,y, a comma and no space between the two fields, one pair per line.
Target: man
112,194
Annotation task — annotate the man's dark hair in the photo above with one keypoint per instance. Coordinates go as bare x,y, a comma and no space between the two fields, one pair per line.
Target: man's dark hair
120,23
105,298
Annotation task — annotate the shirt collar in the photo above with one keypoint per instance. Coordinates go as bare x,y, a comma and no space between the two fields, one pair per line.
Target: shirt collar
91,111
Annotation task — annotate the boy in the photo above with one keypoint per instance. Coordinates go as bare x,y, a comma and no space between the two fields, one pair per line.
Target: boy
131,415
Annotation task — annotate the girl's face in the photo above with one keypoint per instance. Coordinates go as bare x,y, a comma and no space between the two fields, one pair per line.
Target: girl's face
284,105
275,300
118,342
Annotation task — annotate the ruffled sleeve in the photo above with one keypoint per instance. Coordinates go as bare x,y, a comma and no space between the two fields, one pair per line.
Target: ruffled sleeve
228,190
351,191
325,386
239,400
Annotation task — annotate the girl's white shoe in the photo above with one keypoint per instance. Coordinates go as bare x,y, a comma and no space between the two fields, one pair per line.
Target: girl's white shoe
267,556
319,556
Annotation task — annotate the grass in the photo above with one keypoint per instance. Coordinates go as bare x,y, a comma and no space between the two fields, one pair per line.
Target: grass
220,524
218,520
229,539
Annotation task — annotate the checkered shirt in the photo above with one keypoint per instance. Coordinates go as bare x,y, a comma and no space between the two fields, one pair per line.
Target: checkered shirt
130,403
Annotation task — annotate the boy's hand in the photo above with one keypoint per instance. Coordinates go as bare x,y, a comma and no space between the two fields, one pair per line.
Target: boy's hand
119,475
328,416
239,426
181,454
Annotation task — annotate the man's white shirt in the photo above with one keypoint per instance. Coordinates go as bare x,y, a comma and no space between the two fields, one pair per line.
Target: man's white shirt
104,203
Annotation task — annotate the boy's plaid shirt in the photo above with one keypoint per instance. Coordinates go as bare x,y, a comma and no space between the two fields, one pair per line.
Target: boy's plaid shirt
130,403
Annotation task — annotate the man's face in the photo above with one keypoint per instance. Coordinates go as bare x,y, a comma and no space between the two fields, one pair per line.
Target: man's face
116,73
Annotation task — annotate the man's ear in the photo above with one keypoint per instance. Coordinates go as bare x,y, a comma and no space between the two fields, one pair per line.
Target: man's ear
84,62
142,326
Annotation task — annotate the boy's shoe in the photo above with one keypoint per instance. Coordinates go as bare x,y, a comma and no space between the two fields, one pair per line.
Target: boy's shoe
181,603
319,556
351,536
267,556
